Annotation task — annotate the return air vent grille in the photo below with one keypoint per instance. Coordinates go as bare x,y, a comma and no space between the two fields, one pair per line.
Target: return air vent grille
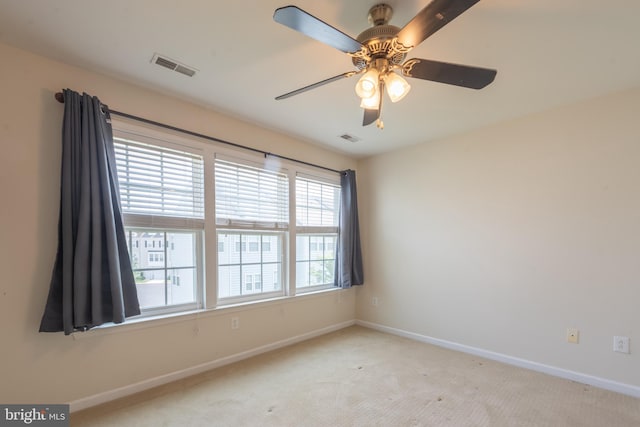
185,70
163,61
350,138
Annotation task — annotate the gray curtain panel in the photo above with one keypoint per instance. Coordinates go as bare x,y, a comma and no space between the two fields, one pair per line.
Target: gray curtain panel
92,281
349,271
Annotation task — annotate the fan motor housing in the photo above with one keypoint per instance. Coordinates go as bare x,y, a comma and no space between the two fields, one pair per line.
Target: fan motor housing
378,39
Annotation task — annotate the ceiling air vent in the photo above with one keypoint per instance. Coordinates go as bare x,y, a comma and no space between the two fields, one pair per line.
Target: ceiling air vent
163,61
350,138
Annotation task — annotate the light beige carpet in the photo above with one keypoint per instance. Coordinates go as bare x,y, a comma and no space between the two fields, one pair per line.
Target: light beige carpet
361,377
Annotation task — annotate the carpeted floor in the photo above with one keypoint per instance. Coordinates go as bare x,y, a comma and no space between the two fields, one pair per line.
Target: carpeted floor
361,377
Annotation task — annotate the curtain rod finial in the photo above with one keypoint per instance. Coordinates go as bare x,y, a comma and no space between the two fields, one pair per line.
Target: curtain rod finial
59,97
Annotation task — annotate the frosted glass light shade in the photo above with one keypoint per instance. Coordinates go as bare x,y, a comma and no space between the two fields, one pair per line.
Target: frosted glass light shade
371,103
367,86
397,87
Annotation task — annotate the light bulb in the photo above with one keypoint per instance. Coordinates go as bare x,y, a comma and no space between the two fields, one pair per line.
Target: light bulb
372,102
397,87
368,84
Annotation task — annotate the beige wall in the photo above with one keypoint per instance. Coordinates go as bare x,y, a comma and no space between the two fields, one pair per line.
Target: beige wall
51,368
503,238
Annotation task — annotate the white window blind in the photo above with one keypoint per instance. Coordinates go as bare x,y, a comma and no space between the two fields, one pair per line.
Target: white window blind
250,197
317,203
155,180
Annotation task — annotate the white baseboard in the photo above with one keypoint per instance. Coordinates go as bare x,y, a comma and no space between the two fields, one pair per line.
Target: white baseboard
618,387
118,393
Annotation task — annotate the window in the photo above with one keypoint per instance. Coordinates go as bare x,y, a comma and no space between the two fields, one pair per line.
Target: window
232,266
252,282
155,258
161,192
165,281
251,217
317,206
252,252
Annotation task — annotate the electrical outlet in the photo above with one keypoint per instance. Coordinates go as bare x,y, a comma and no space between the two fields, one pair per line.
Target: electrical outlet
374,301
621,344
572,335
235,323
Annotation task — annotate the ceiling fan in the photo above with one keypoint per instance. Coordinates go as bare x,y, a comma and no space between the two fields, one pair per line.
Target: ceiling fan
378,53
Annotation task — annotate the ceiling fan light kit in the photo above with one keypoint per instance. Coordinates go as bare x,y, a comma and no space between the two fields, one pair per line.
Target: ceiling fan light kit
379,52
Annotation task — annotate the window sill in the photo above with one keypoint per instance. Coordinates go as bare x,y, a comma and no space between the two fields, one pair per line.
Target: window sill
134,324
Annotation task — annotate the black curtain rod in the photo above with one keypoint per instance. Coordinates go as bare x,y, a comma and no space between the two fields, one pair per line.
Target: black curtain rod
60,98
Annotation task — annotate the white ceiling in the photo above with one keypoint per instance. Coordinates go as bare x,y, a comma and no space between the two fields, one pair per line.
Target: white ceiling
547,53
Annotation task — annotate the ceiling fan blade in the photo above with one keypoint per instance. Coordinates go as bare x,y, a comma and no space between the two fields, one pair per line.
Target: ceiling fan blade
318,84
444,72
370,116
299,20
434,16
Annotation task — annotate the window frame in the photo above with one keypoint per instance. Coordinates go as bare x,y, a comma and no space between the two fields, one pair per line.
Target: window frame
317,230
207,242
249,297
169,223
198,270
258,226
